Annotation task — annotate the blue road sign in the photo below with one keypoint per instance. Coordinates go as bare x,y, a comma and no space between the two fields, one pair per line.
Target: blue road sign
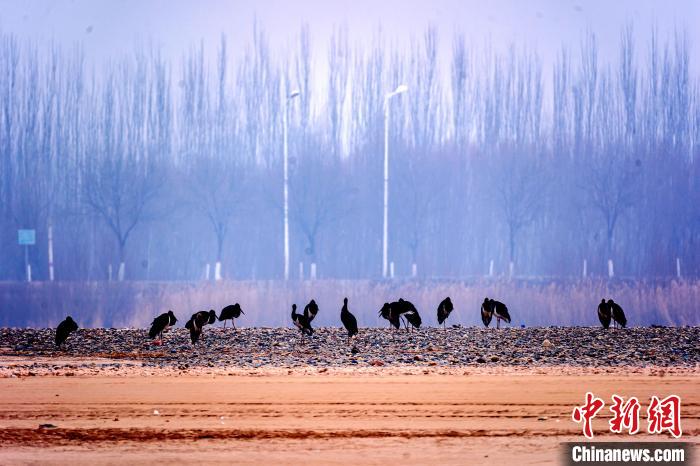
26,237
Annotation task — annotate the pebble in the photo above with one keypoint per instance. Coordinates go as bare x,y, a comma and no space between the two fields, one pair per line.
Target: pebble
117,350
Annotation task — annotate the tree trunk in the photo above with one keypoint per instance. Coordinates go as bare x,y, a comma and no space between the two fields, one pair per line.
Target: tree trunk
511,241
219,253
122,262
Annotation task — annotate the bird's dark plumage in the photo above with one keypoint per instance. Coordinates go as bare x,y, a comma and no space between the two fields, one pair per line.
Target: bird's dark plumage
500,311
301,322
618,315
202,318
195,333
231,312
604,313
198,321
413,318
64,329
349,321
311,310
486,312
408,310
162,323
390,314
444,310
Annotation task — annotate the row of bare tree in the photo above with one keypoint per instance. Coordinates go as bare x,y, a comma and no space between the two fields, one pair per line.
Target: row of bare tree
151,169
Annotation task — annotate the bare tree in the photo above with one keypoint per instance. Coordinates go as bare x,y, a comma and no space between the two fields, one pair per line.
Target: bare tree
339,73
319,197
628,81
612,187
108,148
560,103
123,179
519,192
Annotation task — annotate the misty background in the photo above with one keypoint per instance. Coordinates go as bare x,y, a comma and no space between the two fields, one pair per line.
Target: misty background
537,141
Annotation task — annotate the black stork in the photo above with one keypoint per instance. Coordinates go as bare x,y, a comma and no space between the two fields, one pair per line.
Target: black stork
161,323
444,310
310,310
349,321
64,329
500,311
618,315
301,322
486,312
231,312
197,323
409,312
390,314
604,313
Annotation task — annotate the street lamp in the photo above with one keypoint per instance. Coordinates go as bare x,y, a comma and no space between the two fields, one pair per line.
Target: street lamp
385,242
289,97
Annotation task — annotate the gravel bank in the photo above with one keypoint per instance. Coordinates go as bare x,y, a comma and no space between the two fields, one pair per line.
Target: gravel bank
27,352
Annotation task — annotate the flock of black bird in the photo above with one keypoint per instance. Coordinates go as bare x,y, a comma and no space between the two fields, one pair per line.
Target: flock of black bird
396,313
610,310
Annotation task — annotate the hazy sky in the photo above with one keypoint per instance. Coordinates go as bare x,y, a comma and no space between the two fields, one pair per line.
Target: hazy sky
112,28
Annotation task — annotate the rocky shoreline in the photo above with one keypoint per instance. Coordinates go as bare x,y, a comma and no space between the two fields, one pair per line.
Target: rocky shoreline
27,352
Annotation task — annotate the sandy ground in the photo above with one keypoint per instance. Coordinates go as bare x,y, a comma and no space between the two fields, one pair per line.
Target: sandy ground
322,418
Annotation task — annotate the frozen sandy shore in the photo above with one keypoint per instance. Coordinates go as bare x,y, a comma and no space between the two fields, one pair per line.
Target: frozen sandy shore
313,419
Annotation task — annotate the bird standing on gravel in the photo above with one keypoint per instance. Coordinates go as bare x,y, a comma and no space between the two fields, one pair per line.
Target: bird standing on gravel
390,314
408,311
444,310
197,323
311,310
161,323
301,322
500,311
64,329
618,315
231,312
349,321
486,312
604,313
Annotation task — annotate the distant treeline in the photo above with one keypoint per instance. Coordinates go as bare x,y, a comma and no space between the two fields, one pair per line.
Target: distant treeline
268,303
167,166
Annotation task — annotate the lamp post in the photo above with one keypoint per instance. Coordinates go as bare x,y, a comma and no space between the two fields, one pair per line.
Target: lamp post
285,125
385,242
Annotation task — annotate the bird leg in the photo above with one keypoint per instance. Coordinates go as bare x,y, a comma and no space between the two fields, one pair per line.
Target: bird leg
224,324
498,322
